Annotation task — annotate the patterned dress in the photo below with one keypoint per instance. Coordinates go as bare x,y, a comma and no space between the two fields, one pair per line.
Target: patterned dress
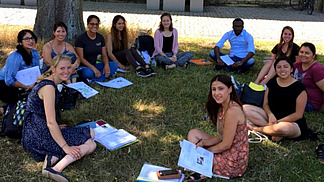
37,138
233,162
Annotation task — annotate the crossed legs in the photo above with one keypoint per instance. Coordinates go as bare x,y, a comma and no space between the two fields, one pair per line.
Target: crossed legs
259,118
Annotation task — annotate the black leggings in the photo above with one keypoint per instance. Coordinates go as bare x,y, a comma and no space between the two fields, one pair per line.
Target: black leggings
8,94
130,56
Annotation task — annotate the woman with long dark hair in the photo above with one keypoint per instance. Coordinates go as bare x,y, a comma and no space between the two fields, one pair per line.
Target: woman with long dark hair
120,51
230,144
285,47
25,56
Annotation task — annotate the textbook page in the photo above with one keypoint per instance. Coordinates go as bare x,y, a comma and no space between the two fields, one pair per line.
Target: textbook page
227,60
148,173
28,76
83,88
119,82
198,159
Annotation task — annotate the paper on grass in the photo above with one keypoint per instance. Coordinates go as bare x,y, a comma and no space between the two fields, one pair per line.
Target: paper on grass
28,76
198,159
148,173
83,88
227,60
119,82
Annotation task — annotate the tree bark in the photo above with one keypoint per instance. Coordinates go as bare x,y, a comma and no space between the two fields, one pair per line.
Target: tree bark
49,12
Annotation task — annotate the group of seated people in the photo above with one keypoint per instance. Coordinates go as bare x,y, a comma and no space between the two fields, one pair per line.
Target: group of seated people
293,76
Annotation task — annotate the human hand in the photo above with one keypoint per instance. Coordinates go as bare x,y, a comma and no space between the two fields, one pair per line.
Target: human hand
73,151
106,70
199,143
237,64
272,119
122,66
220,62
173,59
96,72
62,126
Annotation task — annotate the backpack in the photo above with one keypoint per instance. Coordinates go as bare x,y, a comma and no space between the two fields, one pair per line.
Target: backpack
145,43
13,119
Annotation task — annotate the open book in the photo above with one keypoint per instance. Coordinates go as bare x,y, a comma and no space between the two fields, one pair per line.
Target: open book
198,159
112,138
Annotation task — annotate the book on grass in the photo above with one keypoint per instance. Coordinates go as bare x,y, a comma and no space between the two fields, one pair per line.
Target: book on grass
119,82
148,173
197,159
111,137
201,62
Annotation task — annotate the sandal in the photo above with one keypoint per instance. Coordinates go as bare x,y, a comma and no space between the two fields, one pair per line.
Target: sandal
194,177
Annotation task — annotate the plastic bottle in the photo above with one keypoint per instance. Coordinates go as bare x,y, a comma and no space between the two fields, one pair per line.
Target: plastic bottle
153,62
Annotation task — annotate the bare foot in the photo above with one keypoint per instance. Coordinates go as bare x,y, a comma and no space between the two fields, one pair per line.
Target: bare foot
170,66
276,138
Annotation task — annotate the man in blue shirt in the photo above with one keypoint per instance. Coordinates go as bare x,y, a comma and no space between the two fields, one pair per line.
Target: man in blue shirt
241,52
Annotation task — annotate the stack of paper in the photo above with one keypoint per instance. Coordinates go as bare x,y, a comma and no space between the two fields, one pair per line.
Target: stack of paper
113,138
119,82
198,159
148,173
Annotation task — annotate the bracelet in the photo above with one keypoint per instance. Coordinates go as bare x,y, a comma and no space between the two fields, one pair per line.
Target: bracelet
63,145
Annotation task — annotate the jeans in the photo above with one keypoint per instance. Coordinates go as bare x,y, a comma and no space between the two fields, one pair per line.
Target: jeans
182,58
244,67
309,107
87,73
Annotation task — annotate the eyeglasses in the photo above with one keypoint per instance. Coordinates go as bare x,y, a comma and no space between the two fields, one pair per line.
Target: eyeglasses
29,39
93,24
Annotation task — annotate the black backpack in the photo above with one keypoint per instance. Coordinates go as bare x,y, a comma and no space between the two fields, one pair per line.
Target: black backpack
145,43
13,119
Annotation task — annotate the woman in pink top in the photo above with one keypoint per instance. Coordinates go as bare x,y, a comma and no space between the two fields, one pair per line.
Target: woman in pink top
166,45
311,73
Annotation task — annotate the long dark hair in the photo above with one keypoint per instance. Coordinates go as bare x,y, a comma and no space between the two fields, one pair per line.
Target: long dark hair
28,58
281,42
161,27
212,106
115,34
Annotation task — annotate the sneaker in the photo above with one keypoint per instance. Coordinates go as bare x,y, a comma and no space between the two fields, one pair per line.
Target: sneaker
150,71
320,153
142,73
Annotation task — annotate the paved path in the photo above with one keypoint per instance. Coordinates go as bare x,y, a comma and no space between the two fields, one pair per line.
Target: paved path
262,23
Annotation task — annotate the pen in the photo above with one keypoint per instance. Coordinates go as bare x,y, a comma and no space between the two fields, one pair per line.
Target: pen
198,141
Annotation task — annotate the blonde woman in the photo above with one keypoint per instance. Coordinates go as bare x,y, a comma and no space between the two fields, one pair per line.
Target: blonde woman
42,136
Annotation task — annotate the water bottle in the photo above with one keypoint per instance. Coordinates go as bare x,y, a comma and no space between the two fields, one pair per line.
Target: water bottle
152,62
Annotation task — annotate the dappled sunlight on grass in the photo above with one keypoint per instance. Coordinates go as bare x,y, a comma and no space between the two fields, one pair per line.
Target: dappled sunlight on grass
151,108
149,133
33,166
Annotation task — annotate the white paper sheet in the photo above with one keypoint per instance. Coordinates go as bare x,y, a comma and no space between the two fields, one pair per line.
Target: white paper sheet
148,173
114,139
84,89
28,76
198,159
227,60
119,82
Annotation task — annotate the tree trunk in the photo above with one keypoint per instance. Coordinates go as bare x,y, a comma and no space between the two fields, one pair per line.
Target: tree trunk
49,12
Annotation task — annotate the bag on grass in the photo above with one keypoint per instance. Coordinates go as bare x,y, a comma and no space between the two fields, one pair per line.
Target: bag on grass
253,94
145,43
68,98
13,119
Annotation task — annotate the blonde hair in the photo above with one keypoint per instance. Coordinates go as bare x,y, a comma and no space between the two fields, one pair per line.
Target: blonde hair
54,63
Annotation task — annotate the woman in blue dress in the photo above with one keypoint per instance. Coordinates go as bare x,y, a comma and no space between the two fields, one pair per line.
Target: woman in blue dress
58,46
42,136
24,57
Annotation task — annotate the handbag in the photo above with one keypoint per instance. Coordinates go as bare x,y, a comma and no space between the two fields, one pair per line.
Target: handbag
14,118
253,94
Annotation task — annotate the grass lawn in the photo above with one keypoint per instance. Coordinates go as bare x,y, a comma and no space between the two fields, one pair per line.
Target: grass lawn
160,111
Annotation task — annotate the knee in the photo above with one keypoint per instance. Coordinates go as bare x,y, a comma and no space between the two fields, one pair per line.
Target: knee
282,130
86,73
192,133
190,54
246,109
92,146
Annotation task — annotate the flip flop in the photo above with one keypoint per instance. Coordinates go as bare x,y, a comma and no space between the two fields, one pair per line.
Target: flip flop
194,177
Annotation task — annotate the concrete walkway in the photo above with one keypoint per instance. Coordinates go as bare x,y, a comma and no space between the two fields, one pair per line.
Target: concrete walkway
262,23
